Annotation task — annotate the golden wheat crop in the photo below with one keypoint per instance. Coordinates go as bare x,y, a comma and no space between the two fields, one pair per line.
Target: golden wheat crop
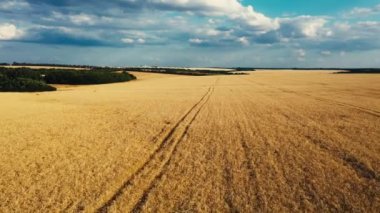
271,141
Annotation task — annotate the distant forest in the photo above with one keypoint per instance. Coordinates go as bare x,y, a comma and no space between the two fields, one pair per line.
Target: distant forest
24,79
36,80
46,65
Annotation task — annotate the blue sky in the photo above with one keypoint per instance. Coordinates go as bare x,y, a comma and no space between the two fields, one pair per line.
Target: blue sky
254,33
302,7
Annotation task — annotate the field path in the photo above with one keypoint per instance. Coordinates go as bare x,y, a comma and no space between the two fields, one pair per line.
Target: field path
145,178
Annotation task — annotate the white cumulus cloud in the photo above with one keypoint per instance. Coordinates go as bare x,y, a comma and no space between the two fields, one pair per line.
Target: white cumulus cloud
363,11
304,26
13,5
133,41
9,32
196,41
232,9
300,54
243,40
128,40
82,19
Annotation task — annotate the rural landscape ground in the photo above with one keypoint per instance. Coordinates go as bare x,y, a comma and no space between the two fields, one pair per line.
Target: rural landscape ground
270,141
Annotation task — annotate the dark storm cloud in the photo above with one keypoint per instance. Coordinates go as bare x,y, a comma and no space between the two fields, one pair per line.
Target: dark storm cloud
49,36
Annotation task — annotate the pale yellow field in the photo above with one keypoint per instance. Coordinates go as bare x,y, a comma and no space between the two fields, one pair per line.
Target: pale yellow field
272,141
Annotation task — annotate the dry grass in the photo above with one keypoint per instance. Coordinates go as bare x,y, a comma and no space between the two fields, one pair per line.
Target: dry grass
269,141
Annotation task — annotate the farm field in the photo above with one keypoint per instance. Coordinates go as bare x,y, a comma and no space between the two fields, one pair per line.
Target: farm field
275,141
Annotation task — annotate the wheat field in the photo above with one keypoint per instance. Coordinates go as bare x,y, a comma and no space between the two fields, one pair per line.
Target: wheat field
271,141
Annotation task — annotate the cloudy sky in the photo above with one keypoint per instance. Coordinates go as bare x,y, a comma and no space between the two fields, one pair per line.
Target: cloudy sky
254,33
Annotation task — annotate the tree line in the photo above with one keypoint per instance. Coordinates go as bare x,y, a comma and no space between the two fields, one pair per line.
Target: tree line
36,80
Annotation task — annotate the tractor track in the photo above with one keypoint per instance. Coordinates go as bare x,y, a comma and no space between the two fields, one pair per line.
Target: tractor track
153,169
